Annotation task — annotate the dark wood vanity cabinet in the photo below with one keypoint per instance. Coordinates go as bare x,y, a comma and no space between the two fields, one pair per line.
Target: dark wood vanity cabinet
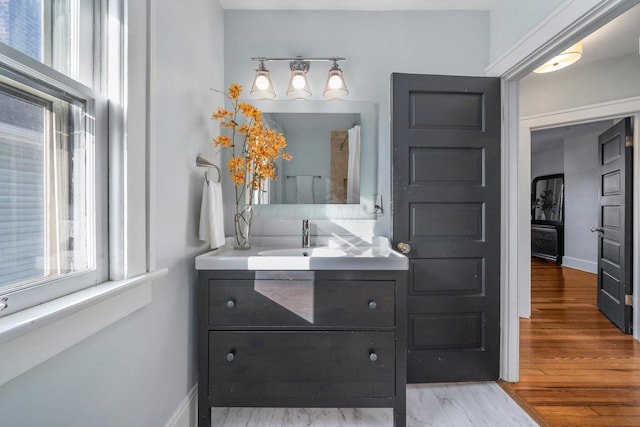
302,339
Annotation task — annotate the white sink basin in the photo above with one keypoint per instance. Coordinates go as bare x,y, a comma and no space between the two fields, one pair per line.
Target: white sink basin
304,252
329,253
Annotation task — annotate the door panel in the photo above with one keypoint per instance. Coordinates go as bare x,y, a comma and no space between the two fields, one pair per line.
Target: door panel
614,238
446,205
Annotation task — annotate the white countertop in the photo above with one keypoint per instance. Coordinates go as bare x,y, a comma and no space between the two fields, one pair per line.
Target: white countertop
325,253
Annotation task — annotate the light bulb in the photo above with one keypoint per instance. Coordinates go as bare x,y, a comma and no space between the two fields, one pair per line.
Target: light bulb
262,82
335,82
298,81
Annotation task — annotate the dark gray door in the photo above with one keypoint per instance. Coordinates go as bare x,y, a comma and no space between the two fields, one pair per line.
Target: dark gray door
615,224
446,207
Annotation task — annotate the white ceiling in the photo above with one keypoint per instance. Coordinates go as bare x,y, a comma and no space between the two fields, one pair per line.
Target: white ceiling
358,4
619,37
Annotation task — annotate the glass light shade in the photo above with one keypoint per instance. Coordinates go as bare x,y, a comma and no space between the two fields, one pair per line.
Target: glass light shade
335,87
566,58
298,85
262,87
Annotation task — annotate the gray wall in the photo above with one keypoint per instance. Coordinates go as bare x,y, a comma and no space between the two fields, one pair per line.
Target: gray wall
138,370
581,197
548,161
375,45
511,20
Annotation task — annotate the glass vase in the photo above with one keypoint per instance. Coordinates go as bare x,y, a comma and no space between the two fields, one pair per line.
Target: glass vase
242,224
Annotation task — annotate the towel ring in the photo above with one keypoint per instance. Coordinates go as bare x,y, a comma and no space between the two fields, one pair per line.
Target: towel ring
201,162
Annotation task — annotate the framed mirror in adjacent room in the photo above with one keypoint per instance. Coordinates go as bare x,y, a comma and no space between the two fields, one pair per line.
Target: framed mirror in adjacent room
547,217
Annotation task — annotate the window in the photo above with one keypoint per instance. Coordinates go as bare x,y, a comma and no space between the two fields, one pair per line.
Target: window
53,151
58,33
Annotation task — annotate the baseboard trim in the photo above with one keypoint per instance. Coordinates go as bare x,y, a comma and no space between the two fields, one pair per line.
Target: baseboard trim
580,264
186,415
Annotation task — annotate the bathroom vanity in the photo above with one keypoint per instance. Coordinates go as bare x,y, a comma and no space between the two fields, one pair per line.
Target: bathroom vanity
282,326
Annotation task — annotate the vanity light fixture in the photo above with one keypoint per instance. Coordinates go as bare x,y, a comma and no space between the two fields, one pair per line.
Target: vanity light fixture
564,59
262,87
298,88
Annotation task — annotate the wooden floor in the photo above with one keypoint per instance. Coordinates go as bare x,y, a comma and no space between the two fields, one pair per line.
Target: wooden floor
576,368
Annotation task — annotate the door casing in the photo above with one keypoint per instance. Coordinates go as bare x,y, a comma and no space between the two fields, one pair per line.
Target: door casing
610,110
569,23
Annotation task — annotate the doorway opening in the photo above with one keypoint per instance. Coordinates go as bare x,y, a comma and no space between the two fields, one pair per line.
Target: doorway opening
596,187
567,27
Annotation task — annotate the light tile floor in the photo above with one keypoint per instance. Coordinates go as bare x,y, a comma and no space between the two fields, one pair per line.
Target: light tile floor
440,405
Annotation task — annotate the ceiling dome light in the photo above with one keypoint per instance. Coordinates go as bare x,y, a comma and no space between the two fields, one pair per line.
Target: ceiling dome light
262,87
335,88
566,58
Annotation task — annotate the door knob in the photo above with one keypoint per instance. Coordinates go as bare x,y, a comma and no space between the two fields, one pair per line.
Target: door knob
598,230
404,247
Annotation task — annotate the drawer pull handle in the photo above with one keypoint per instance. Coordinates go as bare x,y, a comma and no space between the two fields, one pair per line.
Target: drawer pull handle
373,356
231,304
372,305
231,356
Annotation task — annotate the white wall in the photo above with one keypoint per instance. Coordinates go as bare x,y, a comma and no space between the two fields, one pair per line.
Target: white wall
137,371
548,161
189,50
511,20
571,87
581,197
375,45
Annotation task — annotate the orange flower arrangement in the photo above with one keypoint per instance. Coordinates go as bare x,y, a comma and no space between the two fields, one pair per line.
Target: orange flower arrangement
253,159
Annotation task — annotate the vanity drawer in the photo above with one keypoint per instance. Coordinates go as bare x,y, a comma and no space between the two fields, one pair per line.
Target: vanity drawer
276,303
299,365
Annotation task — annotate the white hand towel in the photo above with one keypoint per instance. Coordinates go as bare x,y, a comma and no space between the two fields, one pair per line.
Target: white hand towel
211,214
304,189
353,168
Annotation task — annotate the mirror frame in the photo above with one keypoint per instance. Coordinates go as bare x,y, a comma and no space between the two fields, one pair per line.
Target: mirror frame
534,196
368,161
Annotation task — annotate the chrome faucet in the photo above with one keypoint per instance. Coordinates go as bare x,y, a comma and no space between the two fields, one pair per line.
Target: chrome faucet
306,242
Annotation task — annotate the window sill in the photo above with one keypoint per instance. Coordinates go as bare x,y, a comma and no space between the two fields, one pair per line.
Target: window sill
31,336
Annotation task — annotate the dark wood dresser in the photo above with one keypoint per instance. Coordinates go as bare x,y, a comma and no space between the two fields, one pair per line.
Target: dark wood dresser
302,339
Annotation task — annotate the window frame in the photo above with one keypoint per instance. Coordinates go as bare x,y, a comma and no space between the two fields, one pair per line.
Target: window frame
27,71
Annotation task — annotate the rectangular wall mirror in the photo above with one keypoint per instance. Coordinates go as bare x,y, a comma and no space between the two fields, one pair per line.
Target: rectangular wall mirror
329,177
325,168
547,217
547,199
